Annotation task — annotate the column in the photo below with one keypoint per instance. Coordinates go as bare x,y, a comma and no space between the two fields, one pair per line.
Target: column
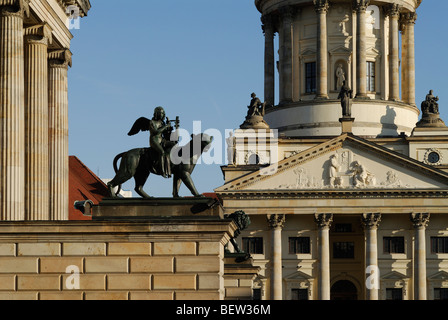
324,222
370,223
404,60
59,61
269,60
394,63
420,222
37,39
276,223
409,20
12,100
322,7
361,59
286,56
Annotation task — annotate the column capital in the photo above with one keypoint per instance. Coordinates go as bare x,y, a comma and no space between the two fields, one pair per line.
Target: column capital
18,8
371,220
409,17
60,58
321,6
393,10
323,220
268,22
276,221
361,5
420,220
40,33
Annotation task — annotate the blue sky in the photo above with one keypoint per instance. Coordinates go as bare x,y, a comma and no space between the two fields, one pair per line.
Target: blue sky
200,60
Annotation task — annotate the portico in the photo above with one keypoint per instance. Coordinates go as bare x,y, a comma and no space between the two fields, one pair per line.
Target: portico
347,232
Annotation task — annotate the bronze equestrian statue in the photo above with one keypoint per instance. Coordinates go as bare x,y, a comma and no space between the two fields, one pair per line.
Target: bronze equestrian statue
141,162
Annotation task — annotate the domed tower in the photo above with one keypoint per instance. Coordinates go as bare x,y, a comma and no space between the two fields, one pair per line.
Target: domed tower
323,44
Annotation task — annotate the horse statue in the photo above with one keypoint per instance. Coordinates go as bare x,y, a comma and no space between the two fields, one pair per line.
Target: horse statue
140,163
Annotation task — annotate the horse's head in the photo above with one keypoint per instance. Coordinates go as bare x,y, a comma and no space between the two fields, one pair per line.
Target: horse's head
204,139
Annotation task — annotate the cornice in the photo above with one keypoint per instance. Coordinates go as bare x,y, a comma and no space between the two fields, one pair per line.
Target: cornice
332,194
83,5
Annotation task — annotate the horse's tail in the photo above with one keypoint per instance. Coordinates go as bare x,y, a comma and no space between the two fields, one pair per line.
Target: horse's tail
121,155
117,158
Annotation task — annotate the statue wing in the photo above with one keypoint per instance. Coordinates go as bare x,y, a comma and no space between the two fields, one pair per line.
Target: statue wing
141,124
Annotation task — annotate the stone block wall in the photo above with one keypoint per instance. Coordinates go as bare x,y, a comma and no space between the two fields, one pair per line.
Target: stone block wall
168,260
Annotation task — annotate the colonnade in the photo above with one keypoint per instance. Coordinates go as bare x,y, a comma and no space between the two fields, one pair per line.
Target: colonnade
34,119
282,21
370,223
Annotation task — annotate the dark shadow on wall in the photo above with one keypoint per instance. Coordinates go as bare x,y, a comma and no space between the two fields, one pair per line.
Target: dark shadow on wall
389,128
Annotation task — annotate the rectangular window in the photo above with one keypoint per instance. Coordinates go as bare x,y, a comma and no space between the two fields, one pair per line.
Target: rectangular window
394,294
310,77
301,245
343,250
393,244
371,76
440,294
439,244
299,294
253,245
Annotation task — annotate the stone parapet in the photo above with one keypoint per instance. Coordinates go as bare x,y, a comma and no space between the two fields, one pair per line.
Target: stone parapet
153,259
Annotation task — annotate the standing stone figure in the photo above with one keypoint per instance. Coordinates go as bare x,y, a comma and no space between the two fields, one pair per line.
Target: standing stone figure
231,149
340,76
334,170
345,96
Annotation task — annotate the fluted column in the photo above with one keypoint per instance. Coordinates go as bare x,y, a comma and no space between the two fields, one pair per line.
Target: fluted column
269,60
370,223
324,222
276,223
420,222
12,100
59,61
361,47
286,56
394,49
37,39
409,66
322,7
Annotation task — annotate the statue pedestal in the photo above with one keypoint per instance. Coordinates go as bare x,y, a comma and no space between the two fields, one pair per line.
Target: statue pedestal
144,209
347,124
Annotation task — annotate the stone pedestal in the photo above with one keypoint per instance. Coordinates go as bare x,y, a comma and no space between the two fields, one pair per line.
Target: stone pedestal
141,209
347,125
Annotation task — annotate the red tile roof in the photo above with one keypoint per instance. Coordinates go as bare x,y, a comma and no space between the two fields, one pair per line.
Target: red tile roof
83,185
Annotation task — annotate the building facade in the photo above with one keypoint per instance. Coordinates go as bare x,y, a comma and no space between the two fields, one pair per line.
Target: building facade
343,205
34,59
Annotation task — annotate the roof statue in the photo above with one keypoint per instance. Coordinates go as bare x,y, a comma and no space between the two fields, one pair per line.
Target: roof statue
430,113
255,114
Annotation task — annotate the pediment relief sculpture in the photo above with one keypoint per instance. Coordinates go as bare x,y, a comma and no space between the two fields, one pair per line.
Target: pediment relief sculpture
343,171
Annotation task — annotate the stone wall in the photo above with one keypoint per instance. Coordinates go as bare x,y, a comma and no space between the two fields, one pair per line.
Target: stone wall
170,259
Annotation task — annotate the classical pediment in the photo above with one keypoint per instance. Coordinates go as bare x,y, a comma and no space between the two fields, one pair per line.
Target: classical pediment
344,163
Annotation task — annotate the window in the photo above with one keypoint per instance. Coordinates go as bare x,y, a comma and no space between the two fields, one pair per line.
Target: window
300,245
371,76
253,245
439,245
256,294
393,244
343,250
299,294
440,294
310,77
343,228
394,294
